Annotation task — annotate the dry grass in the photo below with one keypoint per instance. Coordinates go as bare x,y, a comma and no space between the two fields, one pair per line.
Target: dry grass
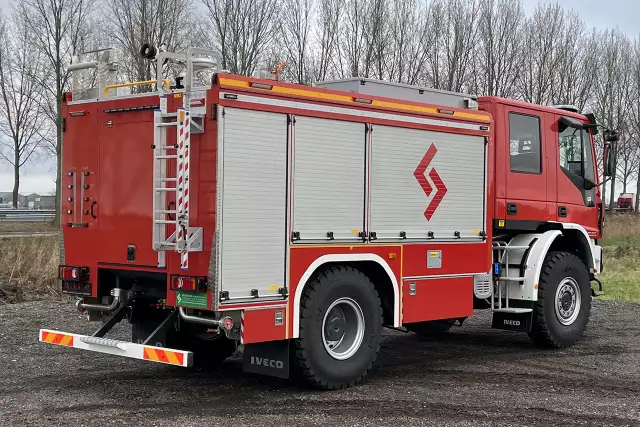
28,268
27,226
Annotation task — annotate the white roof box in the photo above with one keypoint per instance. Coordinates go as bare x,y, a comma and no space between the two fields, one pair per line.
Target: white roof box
401,91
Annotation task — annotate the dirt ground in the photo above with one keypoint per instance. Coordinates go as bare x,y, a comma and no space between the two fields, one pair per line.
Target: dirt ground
477,376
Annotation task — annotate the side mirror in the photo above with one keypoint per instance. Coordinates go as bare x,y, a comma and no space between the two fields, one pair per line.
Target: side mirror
609,159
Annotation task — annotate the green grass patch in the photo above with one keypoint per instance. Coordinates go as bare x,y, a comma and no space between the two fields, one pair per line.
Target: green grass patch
621,276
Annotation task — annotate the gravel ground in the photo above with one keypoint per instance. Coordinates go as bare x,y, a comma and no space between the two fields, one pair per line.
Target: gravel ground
477,376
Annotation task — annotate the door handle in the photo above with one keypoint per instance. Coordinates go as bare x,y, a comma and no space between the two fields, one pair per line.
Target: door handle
512,209
562,211
93,213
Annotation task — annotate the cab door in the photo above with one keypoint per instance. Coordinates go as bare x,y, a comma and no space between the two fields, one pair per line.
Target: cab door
530,193
576,201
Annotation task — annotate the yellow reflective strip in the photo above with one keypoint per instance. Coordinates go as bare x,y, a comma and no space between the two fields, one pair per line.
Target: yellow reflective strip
171,357
152,354
405,107
66,340
462,114
343,98
289,91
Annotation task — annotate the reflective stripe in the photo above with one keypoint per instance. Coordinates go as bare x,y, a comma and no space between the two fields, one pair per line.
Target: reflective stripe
354,112
346,98
118,348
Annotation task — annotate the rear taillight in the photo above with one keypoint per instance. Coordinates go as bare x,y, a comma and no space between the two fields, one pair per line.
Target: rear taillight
75,280
188,284
78,274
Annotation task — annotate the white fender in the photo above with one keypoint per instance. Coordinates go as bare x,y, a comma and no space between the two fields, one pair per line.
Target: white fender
344,258
535,258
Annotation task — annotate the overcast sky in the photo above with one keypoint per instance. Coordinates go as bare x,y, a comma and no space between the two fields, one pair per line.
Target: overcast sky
602,14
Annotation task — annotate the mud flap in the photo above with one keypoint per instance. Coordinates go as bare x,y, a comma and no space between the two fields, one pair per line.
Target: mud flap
512,321
267,358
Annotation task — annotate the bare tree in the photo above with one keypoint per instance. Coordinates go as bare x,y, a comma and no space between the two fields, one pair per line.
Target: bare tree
611,89
21,120
295,35
56,28
326,48
353,43
132,23
243,29
575,72
497,63
634,112
376,39
539,57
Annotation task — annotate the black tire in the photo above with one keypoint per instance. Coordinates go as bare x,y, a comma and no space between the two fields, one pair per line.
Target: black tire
312,360
433,328
209,349
561,268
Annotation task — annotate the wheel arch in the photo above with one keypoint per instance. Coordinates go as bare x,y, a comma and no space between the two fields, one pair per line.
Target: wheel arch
575,240
566,237
384,281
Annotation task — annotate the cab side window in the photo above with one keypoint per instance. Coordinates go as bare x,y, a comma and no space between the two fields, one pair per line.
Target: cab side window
525,143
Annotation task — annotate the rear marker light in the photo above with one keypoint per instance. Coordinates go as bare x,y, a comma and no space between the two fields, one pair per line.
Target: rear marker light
227,323
363,100
261,86
449,112
188,284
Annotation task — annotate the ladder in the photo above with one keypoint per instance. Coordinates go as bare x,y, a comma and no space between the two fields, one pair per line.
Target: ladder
501,291
187,120
184,238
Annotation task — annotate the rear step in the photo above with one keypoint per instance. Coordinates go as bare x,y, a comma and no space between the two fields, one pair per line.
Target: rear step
118,348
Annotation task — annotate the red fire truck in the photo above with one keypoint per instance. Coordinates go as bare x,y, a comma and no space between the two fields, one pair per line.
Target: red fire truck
298,221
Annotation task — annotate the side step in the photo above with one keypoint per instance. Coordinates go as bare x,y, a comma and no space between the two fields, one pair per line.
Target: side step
512,319
118,348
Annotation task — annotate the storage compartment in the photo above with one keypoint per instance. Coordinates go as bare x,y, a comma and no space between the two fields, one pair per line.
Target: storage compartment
426,185
252,227
328,180
437,298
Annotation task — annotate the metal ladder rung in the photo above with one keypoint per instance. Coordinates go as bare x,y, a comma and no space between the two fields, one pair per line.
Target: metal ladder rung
168,147
164,212
163,221
168,157
165,189
511,279
166,125
168,180
164,245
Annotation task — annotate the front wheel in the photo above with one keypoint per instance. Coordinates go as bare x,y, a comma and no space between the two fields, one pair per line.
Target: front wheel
561,314
340,329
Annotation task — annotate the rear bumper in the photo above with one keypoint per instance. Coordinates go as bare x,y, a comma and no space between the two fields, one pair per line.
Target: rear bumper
118,348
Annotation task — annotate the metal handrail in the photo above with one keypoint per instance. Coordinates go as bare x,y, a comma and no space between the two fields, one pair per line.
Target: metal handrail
166,83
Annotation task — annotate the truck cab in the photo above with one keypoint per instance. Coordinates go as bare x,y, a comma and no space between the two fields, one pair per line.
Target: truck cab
545,167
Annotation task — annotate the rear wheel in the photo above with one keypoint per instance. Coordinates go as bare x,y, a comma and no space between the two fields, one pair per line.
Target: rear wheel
561,314
340,329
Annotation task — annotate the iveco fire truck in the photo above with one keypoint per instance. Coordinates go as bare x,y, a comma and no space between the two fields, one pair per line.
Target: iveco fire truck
212,210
